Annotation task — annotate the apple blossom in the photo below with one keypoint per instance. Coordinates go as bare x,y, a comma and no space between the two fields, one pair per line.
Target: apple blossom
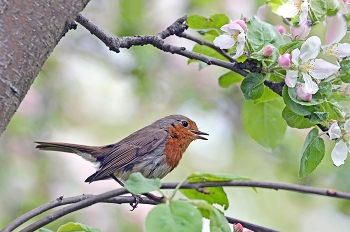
235,34
300,32
237,227
308,67
292,8
336,30
285,61
341,148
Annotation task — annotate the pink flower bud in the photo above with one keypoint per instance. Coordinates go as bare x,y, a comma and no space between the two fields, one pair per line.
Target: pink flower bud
237,227
300,32
242,24
281,29
285,61
267,50
302,93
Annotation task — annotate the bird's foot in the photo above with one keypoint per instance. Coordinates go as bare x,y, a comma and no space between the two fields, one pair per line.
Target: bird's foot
137,199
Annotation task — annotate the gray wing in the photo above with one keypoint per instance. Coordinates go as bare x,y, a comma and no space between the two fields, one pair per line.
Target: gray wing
127,151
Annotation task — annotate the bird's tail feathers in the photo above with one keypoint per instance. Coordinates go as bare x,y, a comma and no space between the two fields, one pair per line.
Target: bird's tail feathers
89,153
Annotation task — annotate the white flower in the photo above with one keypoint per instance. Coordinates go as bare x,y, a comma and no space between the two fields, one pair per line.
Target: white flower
235,34
336,30
292,8
308,67
341,148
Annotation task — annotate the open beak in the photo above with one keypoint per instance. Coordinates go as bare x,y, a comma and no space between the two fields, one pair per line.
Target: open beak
198,134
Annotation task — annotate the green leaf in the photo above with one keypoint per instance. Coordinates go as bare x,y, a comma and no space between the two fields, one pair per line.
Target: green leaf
177,216
292,105
325,107
325,89
201,22
74,227
267,96
205,50
337,108
253,86
345,71
316,98
261,33
295,121
319,117
137,184
312,153
44,230
264,123
209,176
216,195
289,47
229,78
218,222
321,8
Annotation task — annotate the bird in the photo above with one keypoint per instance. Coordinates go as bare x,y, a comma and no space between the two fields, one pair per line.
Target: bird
154,150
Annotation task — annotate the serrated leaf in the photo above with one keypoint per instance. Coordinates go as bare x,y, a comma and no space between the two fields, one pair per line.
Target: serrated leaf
295,121
264,123
292,105
337,108
261,33
74,227
345,71
229,78
138,184
201,22
177,216
322,7
216,195
253,86
311,154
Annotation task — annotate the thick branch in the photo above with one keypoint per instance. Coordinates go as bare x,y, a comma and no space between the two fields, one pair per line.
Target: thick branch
82,202
29,31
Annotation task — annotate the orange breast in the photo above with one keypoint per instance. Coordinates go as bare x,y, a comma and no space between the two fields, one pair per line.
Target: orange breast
176,145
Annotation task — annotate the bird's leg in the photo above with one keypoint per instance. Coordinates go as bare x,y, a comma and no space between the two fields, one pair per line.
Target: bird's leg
137,198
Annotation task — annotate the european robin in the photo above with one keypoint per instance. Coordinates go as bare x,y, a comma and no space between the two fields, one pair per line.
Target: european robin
154,150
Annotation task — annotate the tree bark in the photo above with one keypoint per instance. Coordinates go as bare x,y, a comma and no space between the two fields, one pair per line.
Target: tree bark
29,31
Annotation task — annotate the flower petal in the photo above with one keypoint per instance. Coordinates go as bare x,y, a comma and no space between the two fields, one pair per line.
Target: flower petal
295,56
287,10
310,48
311,86
347,125
240,46
343,50
224,41
291,78
334,131
336,29
322,69
304,12
339,153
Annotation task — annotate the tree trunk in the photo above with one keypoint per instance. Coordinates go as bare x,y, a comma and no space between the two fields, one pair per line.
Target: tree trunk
29,31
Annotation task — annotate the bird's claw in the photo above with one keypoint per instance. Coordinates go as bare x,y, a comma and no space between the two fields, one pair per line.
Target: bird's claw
137,199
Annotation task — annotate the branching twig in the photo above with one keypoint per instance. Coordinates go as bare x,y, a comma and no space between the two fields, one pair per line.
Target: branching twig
157,41
87,200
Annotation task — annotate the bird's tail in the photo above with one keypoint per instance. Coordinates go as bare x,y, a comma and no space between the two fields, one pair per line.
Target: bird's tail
89,153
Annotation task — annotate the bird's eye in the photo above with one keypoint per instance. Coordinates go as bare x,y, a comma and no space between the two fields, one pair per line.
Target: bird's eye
184,123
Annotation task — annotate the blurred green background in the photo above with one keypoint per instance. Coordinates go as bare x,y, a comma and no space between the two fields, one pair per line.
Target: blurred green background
86,94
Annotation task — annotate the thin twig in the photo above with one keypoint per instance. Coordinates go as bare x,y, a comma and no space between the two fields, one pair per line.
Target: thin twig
157,41
103,198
